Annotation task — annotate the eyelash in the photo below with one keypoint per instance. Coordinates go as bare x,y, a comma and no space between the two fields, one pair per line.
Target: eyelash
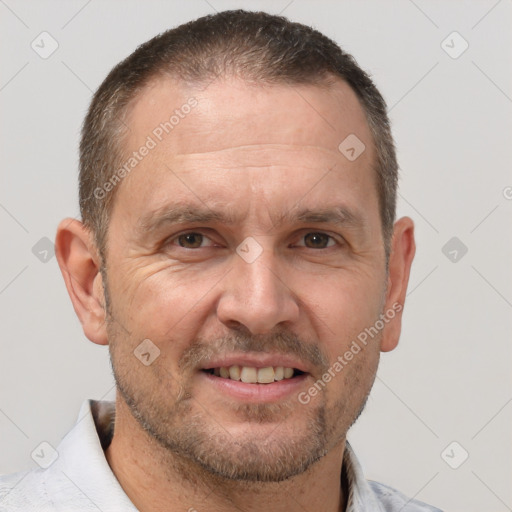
175,237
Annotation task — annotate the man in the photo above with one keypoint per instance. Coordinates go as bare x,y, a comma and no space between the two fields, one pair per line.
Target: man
239,254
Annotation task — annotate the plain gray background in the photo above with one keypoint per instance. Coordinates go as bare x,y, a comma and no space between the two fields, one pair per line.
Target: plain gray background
449,379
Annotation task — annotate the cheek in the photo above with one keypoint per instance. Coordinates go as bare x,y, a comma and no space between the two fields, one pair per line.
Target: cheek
161,302
344,305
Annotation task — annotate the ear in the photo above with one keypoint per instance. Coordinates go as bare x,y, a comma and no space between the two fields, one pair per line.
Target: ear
79,263
402,253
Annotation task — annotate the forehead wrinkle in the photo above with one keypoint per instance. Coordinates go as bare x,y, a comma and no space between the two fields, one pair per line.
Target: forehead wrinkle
265,155
264,146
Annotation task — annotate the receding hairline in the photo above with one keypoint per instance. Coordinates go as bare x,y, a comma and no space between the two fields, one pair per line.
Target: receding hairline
327,81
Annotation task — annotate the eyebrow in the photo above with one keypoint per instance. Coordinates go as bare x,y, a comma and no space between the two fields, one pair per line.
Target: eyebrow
188,214
181,214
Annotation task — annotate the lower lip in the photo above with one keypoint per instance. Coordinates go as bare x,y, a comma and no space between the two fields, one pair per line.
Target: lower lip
273,392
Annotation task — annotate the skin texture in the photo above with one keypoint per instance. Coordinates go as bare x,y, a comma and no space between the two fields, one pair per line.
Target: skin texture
260,153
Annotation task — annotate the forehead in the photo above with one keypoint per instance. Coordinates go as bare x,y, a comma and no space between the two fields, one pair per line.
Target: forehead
258,140
198,117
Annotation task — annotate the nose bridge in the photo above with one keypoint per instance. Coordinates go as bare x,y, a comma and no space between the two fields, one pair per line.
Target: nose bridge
258,282
254,294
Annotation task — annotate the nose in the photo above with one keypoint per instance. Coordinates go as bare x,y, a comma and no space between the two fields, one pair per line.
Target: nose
256,296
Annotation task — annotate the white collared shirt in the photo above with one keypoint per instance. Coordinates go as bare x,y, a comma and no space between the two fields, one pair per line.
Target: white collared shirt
78,476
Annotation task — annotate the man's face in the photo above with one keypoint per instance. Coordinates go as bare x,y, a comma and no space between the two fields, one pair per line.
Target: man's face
276,282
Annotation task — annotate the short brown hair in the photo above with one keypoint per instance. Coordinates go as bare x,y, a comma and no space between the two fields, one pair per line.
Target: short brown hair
254,46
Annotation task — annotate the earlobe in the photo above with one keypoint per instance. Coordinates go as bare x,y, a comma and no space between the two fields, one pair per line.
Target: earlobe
400,260
80,266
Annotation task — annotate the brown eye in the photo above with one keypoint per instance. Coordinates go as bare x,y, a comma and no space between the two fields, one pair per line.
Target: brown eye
317,240
190,240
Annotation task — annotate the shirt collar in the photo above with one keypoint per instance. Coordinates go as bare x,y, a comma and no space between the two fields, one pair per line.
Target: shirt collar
82,459
361,498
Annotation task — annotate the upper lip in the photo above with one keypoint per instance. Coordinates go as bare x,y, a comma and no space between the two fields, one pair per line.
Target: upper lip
255,360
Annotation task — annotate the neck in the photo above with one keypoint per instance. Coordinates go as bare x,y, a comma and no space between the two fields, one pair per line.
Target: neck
153,477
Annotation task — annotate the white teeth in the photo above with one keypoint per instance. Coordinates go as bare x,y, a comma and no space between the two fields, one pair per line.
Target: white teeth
249,375
252,375
234,372
266,375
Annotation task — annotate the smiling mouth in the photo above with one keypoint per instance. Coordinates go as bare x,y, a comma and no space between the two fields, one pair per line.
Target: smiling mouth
252,375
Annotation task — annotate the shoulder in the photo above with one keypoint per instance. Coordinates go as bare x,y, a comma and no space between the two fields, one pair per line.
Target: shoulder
79,477
40,490
394,501
24,490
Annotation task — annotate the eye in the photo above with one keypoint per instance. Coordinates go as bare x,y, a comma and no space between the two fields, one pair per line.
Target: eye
317,240
190,240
